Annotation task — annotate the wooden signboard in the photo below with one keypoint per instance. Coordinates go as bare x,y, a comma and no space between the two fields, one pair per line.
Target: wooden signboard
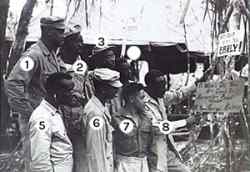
219,96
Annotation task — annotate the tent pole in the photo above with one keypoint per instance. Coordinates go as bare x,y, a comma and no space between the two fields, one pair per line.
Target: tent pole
51,7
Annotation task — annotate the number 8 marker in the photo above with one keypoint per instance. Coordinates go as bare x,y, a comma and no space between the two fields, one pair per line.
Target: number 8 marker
166,127
96,123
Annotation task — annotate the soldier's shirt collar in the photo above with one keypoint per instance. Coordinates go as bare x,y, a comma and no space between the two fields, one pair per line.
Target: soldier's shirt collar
149,99
98,103
44,49
49,107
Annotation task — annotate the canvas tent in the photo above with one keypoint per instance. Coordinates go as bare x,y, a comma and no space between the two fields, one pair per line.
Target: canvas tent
128,22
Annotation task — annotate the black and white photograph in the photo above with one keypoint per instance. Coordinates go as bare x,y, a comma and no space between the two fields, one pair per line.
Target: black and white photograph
125,86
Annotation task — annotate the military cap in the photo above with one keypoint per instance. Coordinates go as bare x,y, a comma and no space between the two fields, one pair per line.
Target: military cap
53,22
98,50
108,76
72,30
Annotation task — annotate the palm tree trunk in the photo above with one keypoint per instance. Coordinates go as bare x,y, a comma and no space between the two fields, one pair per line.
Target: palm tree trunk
248,6
22,32
4,7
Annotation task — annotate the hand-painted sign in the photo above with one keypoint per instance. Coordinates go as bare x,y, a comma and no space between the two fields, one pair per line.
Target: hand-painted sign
231,43
219,96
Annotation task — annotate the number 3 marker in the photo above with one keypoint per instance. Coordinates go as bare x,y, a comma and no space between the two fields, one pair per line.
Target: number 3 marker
96,123
101,41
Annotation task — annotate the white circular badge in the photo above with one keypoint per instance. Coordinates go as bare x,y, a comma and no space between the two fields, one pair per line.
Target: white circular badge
126,126
134,52
96,123
166,127
80,67
27,64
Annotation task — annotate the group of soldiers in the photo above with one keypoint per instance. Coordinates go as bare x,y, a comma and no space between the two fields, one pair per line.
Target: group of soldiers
91,118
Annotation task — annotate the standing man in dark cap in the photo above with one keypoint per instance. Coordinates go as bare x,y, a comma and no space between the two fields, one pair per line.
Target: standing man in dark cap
97,129
103,58
83,90
25,84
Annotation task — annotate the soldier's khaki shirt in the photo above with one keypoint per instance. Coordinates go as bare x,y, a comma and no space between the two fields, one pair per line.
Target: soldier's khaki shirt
49,143
25,89
156,111
99,147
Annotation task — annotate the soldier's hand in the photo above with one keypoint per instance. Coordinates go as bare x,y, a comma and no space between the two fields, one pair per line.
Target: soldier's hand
193,120
205,76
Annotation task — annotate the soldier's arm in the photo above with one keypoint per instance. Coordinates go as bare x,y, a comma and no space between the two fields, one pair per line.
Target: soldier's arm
177,96
40,141
16,86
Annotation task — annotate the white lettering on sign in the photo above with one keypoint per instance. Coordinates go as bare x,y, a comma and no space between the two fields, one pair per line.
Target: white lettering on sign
231,43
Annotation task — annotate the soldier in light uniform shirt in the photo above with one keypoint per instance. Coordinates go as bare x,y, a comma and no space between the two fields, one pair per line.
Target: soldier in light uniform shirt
25,87
165,156
96,123
50,148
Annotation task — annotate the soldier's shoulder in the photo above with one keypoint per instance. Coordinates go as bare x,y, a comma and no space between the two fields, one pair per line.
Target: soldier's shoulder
34,51
39,114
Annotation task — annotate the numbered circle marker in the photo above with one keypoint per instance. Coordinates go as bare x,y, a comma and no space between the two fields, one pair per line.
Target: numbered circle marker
27,64
101,41
166,127
134,52
126,126
41,125
80,67
96,123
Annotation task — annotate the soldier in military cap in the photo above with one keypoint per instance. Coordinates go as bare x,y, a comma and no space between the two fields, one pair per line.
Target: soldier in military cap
96,123
25,84
103,58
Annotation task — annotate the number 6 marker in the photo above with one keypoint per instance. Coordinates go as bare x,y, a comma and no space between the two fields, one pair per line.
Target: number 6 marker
96,123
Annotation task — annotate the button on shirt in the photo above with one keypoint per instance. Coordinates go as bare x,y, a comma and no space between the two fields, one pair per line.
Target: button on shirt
49,143
26,88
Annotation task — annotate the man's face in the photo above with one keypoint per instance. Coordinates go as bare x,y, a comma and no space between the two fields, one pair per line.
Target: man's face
159,86
109,91
57,36
76,43
65,93
138,100
109,59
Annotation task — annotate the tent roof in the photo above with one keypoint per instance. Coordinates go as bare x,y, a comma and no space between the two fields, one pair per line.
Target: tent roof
131,21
